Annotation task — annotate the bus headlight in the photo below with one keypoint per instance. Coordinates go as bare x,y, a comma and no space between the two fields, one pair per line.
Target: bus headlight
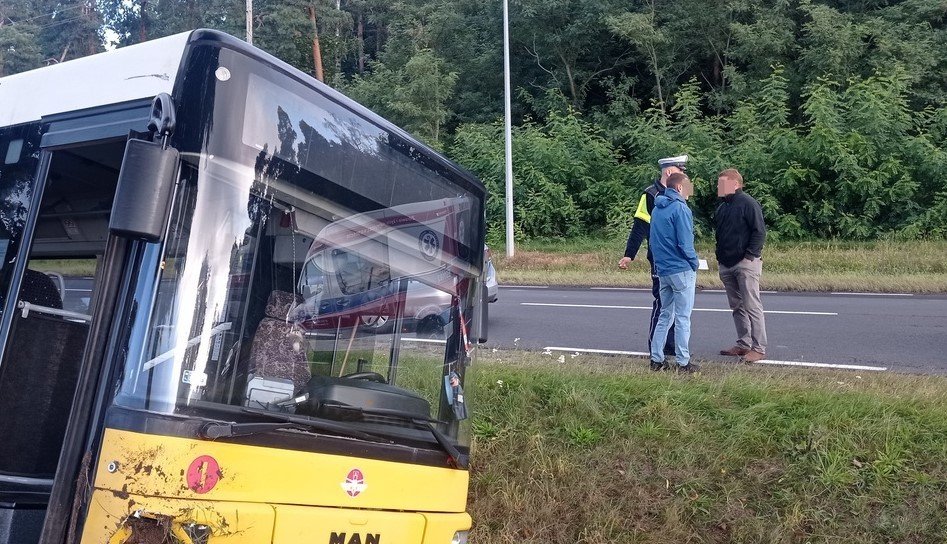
460,537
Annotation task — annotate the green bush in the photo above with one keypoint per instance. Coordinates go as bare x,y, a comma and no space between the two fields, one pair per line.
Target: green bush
859,164
567,175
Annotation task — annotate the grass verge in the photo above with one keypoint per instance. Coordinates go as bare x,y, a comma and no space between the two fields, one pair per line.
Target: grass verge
915,267
603,450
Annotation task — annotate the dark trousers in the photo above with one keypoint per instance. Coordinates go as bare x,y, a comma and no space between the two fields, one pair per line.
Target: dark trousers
656,312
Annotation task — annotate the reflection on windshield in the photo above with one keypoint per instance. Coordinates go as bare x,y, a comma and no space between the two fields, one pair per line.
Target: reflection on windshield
266,126
316,264
270,294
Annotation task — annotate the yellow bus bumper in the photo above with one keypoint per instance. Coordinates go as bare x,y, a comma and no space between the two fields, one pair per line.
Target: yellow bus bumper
117,519
191,491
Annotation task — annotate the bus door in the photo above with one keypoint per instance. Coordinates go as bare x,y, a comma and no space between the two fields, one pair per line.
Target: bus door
54,228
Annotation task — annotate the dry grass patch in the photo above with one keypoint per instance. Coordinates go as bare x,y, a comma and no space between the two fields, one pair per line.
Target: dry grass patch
917,267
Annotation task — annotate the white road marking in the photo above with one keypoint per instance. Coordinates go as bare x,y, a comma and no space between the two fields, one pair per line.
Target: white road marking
619,289
724,291
523,286
424,340
603,351
726,310
763,362
822,365
876,294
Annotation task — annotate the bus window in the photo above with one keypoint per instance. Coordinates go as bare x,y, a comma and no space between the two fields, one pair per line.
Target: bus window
19,148
73,280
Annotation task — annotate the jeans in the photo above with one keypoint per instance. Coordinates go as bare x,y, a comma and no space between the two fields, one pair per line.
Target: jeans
656,311
742,282
677,301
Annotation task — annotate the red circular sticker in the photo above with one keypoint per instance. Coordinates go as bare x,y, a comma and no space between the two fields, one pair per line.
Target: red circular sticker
203,474
354,483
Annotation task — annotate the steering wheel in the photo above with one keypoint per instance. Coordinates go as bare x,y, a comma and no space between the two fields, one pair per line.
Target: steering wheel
370,376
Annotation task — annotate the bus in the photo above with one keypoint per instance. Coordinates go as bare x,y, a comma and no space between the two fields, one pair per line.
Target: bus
198,244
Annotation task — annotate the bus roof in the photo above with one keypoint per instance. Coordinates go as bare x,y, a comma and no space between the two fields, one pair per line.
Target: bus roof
124,74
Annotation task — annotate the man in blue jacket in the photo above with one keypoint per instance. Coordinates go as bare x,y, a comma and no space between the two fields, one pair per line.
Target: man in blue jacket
676,262
639,233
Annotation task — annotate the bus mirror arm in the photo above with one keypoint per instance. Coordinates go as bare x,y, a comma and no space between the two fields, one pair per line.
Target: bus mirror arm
163,119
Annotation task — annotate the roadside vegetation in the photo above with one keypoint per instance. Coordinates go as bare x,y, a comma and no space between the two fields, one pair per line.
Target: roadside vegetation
602,450
834,111
889,266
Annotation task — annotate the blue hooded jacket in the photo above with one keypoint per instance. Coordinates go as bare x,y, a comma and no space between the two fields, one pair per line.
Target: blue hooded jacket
672,235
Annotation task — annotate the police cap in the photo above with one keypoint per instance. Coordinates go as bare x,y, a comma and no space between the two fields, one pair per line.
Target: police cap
678,161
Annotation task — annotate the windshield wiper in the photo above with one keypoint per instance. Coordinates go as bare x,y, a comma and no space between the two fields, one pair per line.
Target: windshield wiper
326,407
218,429
458,459
214,429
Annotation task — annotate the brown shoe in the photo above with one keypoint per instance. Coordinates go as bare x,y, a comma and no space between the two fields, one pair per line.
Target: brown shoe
735,351
753,356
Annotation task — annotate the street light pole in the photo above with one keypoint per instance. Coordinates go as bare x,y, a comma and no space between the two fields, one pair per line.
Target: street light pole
250,22
507,129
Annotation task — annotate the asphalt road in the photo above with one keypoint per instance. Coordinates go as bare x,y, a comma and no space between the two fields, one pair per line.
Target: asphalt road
899,333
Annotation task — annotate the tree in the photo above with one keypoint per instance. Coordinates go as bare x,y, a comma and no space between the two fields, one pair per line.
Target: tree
567,44
414,95
652,33
303,33
69,29
19,45
135,21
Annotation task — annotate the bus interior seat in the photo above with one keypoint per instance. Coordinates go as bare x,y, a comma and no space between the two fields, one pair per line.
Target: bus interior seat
40,372
278,362
39,289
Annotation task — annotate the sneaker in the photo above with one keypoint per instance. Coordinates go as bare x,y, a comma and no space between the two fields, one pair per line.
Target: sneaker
689,368
659,366
735,351
753,356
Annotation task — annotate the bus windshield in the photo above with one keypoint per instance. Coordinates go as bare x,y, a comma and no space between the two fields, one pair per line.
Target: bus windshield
314,261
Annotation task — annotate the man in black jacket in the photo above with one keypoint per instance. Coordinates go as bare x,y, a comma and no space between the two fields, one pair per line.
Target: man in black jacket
641,229
740,233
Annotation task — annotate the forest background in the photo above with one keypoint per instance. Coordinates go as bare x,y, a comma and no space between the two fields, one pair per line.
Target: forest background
834,110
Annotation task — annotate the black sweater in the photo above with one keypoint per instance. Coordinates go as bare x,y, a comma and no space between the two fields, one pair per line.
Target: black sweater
740,229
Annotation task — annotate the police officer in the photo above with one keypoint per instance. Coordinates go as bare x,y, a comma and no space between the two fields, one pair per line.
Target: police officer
640,230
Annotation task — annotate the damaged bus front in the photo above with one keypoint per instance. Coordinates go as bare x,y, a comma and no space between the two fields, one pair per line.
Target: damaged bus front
228,378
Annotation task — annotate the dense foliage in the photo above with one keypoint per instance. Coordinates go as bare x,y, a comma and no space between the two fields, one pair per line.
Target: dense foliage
833,109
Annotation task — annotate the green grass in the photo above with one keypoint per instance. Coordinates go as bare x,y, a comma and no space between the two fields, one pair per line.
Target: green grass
603,450
66,267
919,267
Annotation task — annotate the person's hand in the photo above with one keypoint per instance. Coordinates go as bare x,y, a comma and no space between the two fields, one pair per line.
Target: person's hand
623,263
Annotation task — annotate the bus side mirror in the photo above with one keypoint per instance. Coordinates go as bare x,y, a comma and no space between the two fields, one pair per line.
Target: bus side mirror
143,197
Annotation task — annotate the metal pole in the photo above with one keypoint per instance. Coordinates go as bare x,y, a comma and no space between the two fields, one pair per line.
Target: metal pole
250,22
508,132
